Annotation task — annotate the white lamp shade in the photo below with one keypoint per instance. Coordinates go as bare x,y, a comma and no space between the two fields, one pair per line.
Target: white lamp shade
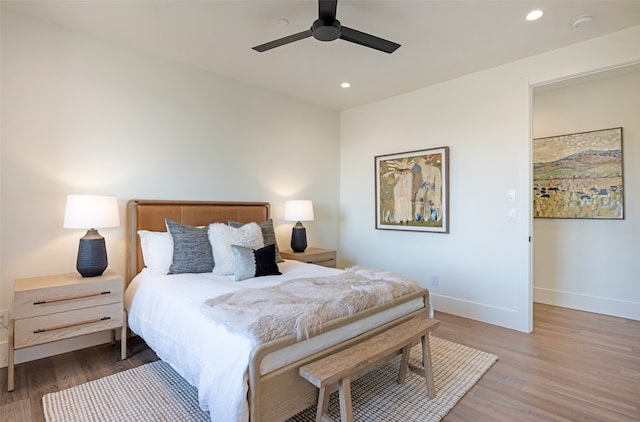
91,212
298,210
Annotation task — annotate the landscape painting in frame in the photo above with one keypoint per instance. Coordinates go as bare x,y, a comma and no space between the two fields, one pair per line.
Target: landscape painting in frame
412,191
579,175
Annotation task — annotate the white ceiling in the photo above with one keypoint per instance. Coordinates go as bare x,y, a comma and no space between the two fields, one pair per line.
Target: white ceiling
440,39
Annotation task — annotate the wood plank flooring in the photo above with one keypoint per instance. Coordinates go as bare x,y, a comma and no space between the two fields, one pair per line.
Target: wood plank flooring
575,366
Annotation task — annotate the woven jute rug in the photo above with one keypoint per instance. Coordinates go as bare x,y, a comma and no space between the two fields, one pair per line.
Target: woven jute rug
155,392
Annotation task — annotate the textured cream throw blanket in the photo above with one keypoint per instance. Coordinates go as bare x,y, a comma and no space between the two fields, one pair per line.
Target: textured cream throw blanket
301,306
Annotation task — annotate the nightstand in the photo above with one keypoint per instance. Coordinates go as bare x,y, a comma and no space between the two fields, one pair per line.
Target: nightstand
57,307
318,256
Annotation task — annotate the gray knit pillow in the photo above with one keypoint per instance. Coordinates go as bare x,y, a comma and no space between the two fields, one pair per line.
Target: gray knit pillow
191,249
268,235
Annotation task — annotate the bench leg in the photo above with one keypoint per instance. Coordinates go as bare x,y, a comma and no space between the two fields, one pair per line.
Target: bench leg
344,389
323,405
428,369
406,351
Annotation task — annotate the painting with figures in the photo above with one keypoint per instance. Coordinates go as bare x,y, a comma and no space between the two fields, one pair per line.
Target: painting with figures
579,175
412,191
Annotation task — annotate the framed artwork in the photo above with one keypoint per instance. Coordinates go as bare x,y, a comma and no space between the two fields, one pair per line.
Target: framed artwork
412,191
579,175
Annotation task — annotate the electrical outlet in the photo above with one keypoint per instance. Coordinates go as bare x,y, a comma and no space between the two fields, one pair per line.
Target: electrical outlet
4,318
435,280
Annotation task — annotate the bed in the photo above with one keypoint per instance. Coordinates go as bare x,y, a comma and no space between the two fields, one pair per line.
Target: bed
236,378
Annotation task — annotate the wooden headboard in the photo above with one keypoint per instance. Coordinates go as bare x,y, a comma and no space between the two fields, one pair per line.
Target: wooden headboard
150,215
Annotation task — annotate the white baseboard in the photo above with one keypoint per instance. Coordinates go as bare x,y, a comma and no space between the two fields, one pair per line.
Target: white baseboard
589,303
495,315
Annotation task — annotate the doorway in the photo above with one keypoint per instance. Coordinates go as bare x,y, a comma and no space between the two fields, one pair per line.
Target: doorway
591,264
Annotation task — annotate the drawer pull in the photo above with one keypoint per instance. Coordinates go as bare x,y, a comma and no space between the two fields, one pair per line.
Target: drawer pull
59,327
61,299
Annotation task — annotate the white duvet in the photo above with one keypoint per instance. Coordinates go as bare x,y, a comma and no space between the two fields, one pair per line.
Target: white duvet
165,310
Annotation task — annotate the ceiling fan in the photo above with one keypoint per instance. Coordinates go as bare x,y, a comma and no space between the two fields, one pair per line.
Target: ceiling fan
328,28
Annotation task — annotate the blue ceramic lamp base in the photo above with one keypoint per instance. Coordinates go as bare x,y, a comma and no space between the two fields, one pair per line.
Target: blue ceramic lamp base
92,254
298,238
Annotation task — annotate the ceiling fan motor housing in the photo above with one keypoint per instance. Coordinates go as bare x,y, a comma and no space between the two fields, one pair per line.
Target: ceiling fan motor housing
323,31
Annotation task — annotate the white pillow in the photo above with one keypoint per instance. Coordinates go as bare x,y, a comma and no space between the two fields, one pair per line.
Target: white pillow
157,250
223,236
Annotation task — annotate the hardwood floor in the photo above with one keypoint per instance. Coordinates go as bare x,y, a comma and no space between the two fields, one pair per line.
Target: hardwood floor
36,378
575,366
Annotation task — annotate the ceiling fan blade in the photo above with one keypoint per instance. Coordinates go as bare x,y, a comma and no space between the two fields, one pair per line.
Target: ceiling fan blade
282,41
327,10
368,40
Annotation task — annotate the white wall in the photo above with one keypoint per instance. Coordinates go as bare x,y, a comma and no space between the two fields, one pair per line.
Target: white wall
484,263
83,116
592,265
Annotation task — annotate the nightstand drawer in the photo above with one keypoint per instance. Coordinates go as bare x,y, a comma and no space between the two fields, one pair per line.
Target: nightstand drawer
325,263
43,329
323,258
77,293
311,255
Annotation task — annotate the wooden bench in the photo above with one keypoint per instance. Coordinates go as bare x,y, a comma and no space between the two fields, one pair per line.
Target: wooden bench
340,367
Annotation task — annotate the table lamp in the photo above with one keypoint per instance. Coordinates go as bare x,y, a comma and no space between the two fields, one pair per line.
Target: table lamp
91,212
298,210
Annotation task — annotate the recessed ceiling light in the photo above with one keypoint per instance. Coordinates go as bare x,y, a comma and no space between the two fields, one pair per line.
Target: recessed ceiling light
345,84
534,15
582,21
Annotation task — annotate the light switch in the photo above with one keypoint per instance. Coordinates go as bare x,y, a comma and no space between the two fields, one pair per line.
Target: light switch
511,215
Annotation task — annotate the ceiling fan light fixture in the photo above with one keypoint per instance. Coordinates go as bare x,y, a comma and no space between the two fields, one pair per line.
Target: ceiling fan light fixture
534,15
